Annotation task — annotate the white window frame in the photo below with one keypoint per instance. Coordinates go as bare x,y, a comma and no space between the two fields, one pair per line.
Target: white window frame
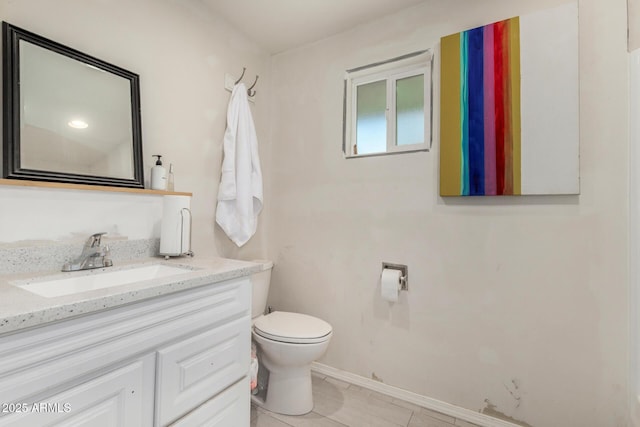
418,63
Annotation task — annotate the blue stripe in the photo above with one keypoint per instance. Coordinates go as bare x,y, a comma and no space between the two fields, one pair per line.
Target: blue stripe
475,86
464,116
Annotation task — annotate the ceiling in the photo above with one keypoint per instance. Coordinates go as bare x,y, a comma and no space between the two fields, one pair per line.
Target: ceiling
279,25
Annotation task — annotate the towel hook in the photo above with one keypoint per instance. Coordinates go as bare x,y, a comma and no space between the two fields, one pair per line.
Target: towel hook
241,76
249,91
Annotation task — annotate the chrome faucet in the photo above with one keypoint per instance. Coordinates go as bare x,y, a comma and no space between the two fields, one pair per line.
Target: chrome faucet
93,255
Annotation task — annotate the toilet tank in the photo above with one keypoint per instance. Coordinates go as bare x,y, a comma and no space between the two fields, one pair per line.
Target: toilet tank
260,282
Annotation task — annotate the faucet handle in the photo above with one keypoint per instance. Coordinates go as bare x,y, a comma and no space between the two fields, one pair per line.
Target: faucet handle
94,239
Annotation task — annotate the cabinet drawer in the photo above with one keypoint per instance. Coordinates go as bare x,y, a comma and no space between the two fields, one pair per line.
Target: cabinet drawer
192,371
229,408
120,398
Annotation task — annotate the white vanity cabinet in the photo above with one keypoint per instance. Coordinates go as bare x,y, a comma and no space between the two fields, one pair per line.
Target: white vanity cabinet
179,359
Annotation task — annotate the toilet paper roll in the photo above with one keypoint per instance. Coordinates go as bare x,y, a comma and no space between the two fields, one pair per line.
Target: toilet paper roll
390,284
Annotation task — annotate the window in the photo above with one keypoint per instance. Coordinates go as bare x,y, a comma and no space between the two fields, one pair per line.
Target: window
388,106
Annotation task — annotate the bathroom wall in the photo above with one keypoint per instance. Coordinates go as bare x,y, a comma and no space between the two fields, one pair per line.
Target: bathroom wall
181,52
517,306
634,236
634,24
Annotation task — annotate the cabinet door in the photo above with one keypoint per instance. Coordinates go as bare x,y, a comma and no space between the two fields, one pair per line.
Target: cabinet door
122,397
229,408
192,371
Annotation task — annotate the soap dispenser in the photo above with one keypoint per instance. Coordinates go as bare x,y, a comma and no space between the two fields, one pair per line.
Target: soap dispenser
158,175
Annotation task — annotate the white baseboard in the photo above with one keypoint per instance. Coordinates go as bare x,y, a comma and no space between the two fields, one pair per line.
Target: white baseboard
408,396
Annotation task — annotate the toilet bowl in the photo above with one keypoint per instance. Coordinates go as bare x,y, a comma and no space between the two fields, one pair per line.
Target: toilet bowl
287,343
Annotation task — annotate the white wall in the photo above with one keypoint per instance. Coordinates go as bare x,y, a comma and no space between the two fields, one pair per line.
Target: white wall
634,24
634,237
509,297
181,52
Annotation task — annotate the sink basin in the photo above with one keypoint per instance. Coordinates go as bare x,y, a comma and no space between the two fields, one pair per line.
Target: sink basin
100,279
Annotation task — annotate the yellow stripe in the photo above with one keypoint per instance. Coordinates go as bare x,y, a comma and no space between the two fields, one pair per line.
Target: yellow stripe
514,71
450,116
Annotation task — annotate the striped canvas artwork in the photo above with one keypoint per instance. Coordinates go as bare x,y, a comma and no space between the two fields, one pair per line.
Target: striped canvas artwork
485,122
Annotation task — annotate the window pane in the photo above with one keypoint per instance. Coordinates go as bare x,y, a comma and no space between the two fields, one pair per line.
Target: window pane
410,110
371,123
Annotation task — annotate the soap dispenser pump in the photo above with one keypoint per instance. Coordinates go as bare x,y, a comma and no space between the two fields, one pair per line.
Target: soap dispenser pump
158,175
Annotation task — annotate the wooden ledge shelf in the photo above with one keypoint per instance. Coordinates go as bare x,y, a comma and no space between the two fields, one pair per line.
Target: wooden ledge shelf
64,186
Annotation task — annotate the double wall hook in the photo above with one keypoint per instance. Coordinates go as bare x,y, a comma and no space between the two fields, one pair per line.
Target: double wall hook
250,92
241,75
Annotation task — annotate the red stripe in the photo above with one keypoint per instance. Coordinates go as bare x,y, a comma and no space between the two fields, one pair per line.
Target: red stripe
499,85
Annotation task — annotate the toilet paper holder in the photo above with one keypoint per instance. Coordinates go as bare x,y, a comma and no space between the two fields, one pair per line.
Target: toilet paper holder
404,278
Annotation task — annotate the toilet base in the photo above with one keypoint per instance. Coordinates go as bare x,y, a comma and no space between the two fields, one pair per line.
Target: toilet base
288,392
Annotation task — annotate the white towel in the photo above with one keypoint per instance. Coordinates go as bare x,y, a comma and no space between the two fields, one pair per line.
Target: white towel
240,192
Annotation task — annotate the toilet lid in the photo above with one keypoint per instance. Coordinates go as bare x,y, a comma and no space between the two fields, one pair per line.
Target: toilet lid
292,328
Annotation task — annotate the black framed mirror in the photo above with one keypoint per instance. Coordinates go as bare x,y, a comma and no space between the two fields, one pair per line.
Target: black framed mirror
68,117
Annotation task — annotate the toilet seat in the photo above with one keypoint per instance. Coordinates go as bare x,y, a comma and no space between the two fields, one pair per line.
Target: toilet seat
293,328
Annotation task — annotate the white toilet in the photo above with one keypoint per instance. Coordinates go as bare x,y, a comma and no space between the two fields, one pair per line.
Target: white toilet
287,343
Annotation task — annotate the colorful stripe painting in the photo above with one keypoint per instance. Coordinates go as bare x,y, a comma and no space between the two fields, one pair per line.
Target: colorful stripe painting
510,107
480,111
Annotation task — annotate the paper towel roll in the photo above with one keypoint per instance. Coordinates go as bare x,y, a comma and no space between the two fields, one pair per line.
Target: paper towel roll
390,284
176,221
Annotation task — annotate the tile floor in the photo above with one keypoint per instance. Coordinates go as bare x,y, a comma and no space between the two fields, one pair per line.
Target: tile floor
340,404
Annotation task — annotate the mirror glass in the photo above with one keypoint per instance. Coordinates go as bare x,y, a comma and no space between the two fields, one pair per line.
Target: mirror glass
69,117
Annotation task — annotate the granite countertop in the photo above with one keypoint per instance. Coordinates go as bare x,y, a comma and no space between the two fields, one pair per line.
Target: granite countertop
20,309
